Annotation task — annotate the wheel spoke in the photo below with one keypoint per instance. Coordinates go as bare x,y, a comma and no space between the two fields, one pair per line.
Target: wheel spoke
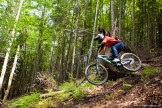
135,63
94,77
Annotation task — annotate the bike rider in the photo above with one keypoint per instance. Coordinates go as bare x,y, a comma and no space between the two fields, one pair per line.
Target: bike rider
115,44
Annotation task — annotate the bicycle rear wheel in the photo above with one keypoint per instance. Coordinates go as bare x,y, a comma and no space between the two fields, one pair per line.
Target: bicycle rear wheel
95,77
130,62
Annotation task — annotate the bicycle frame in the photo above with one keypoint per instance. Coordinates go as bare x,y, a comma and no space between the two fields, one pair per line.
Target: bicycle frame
103,57
106,57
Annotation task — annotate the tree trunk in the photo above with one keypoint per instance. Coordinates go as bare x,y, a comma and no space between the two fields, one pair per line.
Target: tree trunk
50,68
94,29
68,53
62,58
120,19
112,14
10,44
133,23
75,36
113,33
11,75
80,53
39,49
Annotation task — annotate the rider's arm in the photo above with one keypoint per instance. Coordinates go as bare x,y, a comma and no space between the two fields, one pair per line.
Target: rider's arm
102,44
99,36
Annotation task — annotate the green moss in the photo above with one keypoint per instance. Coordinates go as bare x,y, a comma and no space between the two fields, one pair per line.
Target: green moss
69,89
24,102
77,92
45,103
149,71
62,96
127,86
67,86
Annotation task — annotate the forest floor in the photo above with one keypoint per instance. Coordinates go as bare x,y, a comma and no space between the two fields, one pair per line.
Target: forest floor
142,89
134,91
127,92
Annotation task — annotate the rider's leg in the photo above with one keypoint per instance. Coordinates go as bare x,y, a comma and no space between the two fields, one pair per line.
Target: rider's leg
116,50
120,47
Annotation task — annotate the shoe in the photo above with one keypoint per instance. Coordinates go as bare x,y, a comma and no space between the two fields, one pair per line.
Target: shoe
115,60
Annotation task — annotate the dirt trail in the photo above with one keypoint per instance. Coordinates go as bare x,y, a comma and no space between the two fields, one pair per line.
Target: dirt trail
128,92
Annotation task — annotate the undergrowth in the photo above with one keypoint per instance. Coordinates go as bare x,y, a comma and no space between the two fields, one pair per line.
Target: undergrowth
148,72
77,92
70,90
24,101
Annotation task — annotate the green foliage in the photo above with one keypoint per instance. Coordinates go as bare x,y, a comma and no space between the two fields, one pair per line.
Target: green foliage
149,71
127,86
67,86
77,92
68,89
62,96
44,103
25,101
80,91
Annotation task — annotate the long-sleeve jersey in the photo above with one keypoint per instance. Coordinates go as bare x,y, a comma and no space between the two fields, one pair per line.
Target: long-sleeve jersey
109,41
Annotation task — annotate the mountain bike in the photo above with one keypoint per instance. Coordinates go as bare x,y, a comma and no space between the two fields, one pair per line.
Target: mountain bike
97,73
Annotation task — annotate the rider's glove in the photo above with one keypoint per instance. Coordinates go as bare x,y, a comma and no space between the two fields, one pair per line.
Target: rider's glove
97,37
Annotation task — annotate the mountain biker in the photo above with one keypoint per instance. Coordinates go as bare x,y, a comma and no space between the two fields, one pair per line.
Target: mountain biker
115,44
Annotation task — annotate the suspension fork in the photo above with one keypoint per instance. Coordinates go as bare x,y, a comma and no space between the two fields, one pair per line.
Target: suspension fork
97,62
97,67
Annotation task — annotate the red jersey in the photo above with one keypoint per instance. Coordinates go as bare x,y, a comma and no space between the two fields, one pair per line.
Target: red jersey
109,41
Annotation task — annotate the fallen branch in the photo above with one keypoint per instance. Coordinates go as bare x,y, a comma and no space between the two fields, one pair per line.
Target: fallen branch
51,94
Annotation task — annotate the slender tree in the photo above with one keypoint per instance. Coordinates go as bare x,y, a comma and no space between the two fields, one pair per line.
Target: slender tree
10,44
133,24
75,35
11,75
120,18
112,14
94,29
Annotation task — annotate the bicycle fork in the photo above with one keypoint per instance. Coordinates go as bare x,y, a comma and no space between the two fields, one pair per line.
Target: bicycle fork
97,67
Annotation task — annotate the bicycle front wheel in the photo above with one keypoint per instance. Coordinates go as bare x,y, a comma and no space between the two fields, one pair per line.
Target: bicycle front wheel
130,62
96,77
